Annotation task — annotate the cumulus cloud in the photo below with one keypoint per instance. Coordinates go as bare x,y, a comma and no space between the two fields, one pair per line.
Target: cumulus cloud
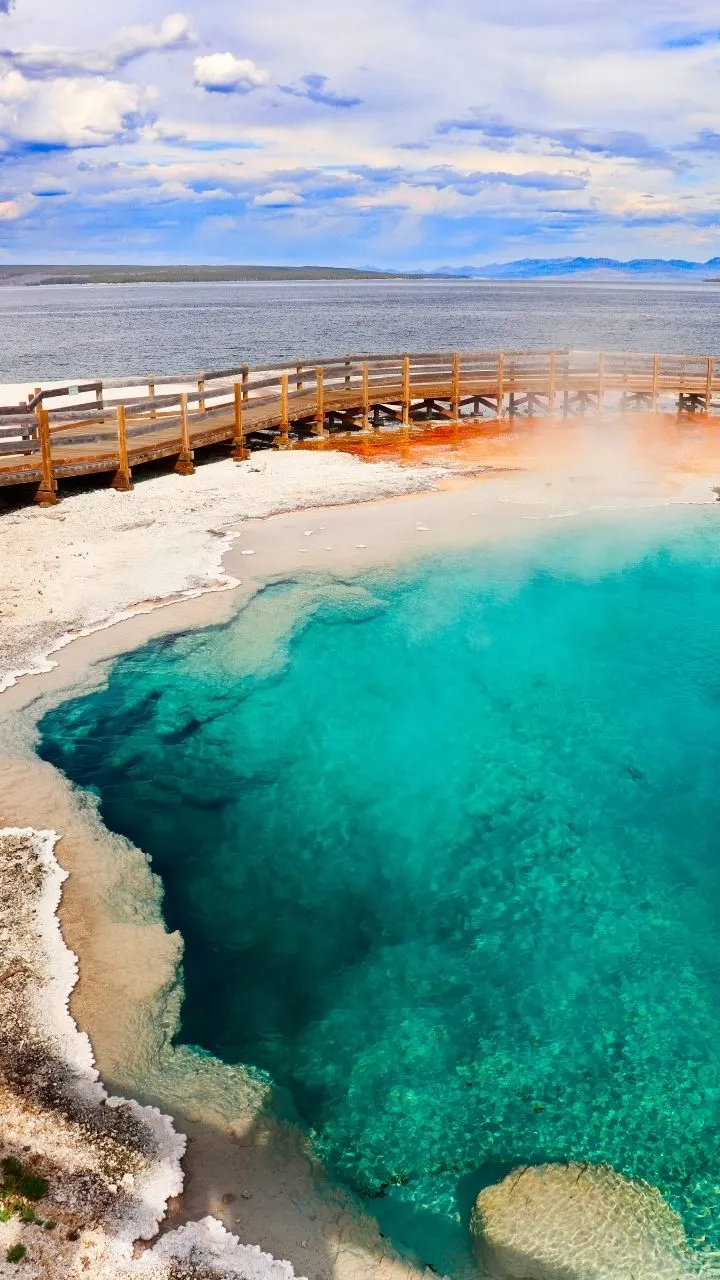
41,61
278,199
224,73
71,112
313,87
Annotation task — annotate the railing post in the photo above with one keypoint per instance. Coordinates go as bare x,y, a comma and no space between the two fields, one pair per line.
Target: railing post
655,380
501,386
406,393
284,441
46,495
245,379
33,431
347,372
709,383
122,480
298,370
552,382
151,389
184,465
366,396
455,401
319,426
238,451
201,393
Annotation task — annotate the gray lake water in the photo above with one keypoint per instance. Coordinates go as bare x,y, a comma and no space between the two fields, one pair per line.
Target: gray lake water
75,331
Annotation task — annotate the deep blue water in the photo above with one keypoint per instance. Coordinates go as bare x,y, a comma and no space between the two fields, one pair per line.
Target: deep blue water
77,331
447,863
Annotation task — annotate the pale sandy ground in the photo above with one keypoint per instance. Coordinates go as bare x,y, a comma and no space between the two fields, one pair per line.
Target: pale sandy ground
100,555
117,553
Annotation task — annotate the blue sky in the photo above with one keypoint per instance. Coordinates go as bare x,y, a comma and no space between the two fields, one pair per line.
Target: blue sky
396,133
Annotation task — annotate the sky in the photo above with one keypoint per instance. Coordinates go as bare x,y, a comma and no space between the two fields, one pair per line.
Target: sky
388,133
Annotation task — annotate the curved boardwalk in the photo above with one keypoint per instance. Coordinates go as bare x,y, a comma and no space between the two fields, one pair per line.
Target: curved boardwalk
118,424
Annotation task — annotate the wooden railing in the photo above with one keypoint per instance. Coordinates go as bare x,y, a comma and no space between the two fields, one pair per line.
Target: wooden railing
119,423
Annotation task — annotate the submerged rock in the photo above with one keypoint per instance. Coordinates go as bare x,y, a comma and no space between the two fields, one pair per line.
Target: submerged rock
578,1222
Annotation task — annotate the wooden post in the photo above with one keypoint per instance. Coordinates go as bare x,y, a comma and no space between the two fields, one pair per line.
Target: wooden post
122,480
33,431
46,495
298,384
552,382
151,389
201,393
245,380
319,427
455,401
501,386
655,378
284,441
347,372
406,393
365,396
238,451
184,465
709,383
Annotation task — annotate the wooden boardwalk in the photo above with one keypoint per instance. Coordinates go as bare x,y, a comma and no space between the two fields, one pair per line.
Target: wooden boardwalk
119,424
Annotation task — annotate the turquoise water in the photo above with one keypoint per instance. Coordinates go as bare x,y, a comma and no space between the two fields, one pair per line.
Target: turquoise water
446,858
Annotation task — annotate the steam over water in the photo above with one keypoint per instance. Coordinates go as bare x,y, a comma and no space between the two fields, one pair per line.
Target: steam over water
102,330
446,862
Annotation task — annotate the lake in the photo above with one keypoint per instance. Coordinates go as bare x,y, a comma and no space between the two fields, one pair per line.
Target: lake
74,331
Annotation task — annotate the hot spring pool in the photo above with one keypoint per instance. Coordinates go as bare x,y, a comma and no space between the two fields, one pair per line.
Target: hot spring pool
444,848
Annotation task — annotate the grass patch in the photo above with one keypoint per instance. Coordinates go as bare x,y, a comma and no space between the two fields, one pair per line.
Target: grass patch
33,1187
16,1253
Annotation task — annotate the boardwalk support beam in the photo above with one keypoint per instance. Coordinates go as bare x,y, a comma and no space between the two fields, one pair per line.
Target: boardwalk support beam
238,452
185,465
319,424
46,494
122,480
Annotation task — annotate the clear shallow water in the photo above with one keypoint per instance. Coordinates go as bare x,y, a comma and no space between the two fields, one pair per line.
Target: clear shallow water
106,330
447,865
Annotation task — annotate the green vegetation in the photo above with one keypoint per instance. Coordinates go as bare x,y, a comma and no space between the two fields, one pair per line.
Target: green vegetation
16,1189
92,274
32,1187
29,1186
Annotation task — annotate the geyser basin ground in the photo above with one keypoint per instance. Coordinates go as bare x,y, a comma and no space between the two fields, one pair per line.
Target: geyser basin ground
443,848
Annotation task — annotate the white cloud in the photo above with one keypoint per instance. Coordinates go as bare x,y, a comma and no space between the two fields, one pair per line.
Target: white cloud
11,210
224,73
40,61
176,31
278,199
72,112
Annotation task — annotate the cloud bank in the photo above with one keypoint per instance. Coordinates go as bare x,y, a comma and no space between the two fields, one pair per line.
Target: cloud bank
362,135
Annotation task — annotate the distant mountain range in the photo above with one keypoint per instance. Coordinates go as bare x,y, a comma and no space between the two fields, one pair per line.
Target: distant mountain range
660,269
589,269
